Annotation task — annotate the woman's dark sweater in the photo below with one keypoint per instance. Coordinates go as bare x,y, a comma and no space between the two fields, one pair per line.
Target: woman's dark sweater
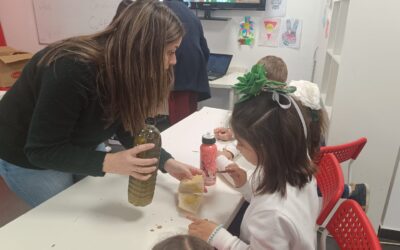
52,119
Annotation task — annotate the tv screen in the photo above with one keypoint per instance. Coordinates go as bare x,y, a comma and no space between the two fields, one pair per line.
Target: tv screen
227,4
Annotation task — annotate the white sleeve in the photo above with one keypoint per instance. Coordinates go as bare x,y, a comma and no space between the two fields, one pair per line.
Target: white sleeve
231,147
225,240
222,163
246,191
269,230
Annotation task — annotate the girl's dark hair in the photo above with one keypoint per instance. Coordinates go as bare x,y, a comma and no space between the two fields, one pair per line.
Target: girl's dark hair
183,242
132,83
277,137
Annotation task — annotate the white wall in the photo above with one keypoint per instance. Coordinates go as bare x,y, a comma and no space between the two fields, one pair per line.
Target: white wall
222,37
367,99
18,22
20,31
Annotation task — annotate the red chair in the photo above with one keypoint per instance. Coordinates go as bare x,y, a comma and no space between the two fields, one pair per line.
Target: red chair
344,152
351,228
330,183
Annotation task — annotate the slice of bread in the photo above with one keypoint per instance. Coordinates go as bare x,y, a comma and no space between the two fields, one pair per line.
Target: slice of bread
190,194
195,185
190,202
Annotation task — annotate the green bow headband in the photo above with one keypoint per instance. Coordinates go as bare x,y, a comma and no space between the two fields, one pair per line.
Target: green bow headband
255,81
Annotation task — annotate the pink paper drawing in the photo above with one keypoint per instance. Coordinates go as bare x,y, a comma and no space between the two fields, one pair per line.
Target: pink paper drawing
269,27
269,34
291,36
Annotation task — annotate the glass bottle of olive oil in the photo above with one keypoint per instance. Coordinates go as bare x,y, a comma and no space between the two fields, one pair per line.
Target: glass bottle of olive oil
140,193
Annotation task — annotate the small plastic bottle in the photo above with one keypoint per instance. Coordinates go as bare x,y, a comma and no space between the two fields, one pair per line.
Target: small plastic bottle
140,193
208,156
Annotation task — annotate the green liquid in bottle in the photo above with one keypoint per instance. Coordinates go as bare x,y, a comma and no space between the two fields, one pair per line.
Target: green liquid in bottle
140,193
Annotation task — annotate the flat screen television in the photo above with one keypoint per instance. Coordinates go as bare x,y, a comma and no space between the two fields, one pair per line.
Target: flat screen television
209,5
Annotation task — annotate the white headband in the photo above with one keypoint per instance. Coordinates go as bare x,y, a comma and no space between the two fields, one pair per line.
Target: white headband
275,97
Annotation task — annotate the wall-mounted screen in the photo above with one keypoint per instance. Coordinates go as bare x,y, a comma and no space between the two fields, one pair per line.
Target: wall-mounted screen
227,4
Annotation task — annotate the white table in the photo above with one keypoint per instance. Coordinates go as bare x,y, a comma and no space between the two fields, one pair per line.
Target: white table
226,82
2,93
95,213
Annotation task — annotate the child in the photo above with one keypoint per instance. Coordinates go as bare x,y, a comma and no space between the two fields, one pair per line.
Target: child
273,130
183,242
277,71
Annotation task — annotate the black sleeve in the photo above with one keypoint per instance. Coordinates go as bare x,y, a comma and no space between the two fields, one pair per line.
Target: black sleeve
60,101
203,44
127,141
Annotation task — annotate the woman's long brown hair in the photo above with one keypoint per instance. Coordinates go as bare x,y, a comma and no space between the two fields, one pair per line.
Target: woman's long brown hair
129,55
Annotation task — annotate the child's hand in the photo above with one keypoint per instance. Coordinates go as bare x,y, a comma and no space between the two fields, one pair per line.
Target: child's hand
224,134
201,228
238,175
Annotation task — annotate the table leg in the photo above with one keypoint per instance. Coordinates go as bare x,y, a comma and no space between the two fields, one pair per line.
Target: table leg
231,98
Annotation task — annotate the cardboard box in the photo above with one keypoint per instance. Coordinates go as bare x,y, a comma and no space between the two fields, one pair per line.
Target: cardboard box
11,64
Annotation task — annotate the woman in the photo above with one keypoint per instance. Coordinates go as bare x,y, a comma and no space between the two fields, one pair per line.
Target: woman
76,93
191,82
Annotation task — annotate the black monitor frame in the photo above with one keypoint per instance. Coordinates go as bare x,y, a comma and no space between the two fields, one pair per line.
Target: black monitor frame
207,7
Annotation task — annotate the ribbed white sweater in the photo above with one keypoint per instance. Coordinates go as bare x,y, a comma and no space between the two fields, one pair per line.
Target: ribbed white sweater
272,222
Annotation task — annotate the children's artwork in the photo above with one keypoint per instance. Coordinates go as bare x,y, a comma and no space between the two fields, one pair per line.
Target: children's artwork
330,4
269,32
327,28
290,33
246,32
276,8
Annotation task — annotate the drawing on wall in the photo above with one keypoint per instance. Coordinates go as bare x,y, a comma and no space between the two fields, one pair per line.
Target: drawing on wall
327,28
269,33
246,32
276,8
324,17
326,12
330,4
290,33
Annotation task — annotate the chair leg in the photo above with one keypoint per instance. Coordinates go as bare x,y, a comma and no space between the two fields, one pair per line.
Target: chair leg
322,239
349,172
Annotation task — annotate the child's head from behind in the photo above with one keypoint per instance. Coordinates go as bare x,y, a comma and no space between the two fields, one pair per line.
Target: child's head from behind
275,67
272,138
183,242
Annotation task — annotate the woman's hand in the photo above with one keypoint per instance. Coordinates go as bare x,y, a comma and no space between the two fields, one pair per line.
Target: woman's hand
223,134
238,175
201,228
127,163
181,170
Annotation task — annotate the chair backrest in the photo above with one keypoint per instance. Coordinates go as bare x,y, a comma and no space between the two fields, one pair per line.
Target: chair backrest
351,228
330,182
343,152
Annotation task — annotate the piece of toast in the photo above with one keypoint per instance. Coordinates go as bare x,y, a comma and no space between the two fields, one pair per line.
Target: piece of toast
190,194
